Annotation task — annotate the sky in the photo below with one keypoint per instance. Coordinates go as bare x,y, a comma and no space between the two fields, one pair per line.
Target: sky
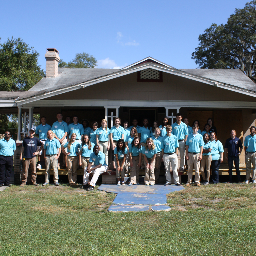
116,32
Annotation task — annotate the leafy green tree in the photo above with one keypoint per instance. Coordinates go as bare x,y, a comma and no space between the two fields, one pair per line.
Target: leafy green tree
82,60
18,66
232,45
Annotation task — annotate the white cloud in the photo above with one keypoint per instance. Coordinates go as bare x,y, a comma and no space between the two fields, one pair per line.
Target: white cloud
132,43
107,63
124,41
119,36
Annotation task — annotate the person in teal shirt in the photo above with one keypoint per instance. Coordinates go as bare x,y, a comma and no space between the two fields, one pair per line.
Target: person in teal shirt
250,149
97,165
120,153
190,130
7,148
103,138
133,134
158,140
217,157
135,160
41,131
180,130
93,132
60,129
76,128
127,131
206,159
52,150
170,147
194,151
163,127
73,148
149,152
87,128
144,131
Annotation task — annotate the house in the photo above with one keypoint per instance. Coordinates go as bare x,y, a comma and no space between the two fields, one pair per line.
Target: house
147,88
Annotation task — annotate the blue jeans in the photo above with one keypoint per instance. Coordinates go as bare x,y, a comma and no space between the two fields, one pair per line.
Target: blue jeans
232,159
215,171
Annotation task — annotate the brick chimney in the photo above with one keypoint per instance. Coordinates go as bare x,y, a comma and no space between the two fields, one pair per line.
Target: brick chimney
52,60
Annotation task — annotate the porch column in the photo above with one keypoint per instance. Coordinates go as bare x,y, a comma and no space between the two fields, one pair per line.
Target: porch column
111,116
172,116
30,116
19,124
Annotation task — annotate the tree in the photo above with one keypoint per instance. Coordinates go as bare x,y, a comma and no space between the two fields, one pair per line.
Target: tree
18,66
82,60
232,45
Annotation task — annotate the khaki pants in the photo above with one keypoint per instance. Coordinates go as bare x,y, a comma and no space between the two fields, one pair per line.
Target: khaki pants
135,170
51,161
193,162
158,165
85,162
150,172
72,168
206,162
181,154
104,148
173,161
24,174
250,161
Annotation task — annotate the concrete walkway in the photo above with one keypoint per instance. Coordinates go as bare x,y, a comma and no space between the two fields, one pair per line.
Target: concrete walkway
140,197
3,188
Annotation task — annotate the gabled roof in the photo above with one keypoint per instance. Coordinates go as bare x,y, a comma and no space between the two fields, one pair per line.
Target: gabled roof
70,79
148,59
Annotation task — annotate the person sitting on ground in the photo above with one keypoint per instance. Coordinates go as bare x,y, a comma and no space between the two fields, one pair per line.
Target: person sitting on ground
97,165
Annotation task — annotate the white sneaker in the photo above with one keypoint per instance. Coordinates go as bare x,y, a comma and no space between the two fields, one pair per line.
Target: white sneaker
123,183
118,183
167,183
254,182
247,182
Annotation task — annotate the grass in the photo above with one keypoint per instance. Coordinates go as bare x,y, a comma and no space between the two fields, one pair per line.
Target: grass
210,220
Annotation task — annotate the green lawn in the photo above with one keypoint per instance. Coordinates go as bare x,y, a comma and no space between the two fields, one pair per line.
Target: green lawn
210,220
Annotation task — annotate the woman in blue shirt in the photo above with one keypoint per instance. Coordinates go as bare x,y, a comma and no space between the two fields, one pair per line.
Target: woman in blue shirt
133,134
135,160
206,130
103,138
120,153
85,152
149,152
93,132
73,147
196,123
87,128
206,159
217,157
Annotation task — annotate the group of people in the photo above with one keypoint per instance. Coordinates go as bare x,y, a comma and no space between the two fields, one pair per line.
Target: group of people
133,148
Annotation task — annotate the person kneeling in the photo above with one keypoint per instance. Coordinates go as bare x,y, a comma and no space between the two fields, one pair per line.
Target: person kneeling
97,166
